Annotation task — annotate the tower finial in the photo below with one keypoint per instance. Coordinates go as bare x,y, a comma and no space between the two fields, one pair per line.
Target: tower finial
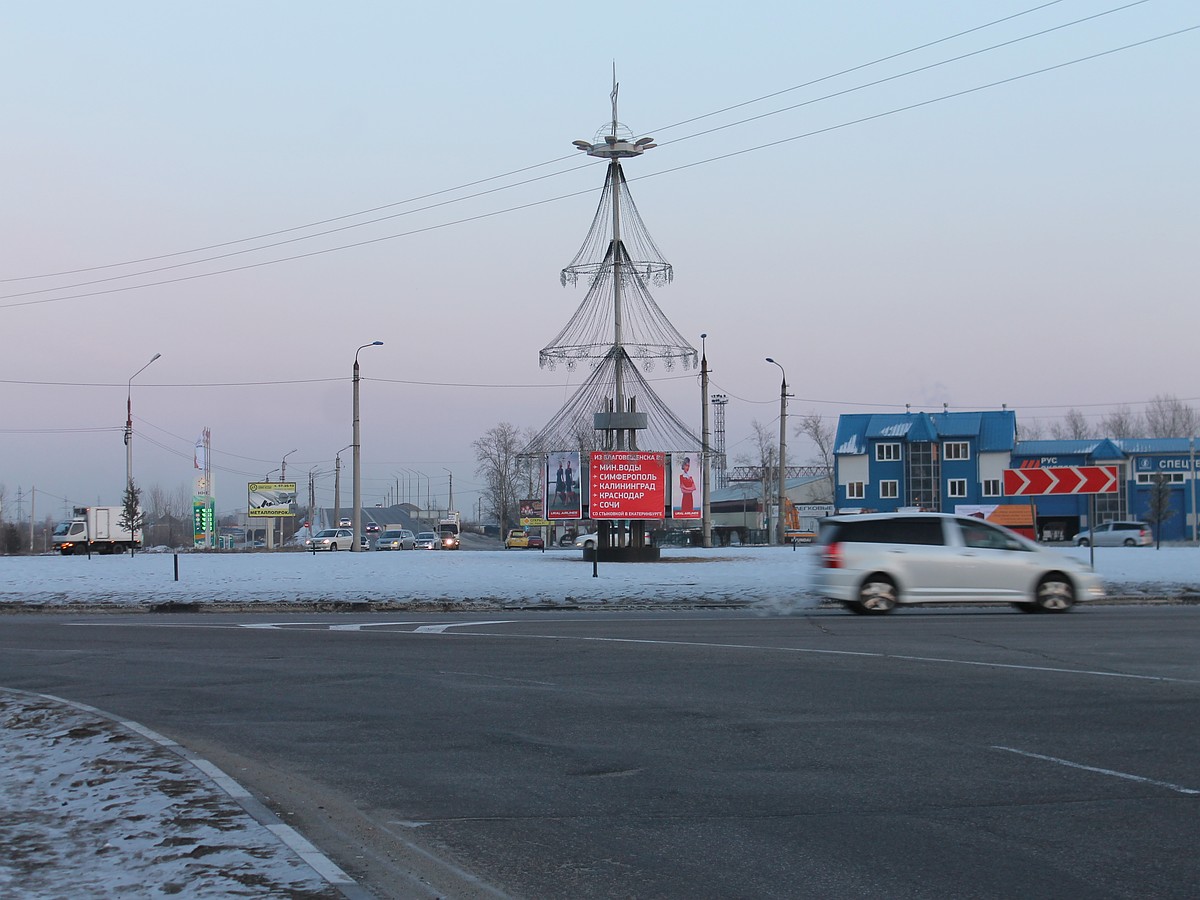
613,95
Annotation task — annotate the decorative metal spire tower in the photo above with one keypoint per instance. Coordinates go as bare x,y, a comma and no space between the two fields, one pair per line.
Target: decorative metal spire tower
617,322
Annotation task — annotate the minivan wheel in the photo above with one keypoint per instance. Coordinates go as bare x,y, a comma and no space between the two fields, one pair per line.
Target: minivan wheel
877,595
1054,594
1083,542
1130,542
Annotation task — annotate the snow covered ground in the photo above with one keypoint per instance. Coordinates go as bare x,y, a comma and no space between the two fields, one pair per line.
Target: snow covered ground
772,577
95,807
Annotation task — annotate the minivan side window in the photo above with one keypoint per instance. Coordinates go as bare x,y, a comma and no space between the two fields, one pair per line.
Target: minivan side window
981,535
907,530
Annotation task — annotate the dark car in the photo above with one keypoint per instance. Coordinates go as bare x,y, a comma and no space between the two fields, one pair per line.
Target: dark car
536,542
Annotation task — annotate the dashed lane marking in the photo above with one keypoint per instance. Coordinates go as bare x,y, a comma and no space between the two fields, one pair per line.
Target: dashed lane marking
1179,789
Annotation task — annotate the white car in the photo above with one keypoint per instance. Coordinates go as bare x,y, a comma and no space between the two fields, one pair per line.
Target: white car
587,539
873,563
428,540
334,539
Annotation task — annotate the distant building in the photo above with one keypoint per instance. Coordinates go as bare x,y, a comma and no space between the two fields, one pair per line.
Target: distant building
916,460
955,462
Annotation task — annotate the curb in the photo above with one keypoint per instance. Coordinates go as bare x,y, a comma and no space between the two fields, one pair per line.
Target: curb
325,868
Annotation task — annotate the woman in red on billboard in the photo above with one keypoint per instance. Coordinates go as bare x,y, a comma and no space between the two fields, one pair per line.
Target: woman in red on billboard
687,487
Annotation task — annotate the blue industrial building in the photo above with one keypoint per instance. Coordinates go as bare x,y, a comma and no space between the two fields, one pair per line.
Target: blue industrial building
955,462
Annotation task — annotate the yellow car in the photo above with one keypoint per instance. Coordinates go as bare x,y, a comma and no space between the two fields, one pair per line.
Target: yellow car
517,538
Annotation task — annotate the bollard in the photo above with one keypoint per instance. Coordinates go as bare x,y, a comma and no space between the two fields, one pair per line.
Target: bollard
176,555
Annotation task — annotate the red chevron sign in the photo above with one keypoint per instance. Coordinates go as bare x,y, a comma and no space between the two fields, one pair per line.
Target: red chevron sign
1061,480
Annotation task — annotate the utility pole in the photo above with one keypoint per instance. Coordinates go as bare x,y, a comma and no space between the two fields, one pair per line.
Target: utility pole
781,525
706,466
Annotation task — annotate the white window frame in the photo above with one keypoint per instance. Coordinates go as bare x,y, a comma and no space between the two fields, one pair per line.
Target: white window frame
956,488
856,490
993,487
1168,477
889,452
889,489
963,447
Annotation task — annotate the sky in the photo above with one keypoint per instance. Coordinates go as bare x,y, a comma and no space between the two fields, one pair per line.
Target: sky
256,190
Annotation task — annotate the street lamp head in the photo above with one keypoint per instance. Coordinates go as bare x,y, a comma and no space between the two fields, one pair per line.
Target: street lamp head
771,360
154,357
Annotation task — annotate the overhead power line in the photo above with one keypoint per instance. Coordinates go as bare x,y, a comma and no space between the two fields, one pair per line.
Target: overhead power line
487,215
477,182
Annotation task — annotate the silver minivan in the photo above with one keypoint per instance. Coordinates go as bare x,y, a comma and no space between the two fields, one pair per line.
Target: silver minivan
873,563
1117,534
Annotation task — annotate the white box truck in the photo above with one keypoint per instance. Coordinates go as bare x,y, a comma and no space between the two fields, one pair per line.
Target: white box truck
97,527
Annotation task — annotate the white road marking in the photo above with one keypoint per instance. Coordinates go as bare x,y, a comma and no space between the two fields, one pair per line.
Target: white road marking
441,629
1179,789
863,653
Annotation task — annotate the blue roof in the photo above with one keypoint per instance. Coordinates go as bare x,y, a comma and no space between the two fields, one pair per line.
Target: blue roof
1154,445
1105,449
994,430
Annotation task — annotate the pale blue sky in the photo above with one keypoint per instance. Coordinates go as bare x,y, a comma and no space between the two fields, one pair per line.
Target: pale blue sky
1032,244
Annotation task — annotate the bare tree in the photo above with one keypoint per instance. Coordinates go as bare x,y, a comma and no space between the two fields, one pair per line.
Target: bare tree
1030,430
763,455
504,472
822,435
1167,416
1073,427
1122,422
1158,506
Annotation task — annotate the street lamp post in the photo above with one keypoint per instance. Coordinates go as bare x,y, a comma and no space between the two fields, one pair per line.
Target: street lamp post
282,478
358,453
129,422
781,526
449,493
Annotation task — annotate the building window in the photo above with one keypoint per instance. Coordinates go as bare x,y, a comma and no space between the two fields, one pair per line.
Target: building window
992,487
956,487
923,476
957,450
887,453
1167,477
856,490
889,489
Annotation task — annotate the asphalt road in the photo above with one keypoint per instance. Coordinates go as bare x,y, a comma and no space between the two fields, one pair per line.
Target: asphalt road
933,753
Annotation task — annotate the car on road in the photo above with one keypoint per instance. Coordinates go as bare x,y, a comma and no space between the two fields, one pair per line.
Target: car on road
344,522
449,541
396,539
872,563
371,528
518,539
334,539
536,542
587,539
427,540
1116,534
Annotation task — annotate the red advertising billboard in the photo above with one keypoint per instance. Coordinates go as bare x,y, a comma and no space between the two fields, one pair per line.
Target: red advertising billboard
627,484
